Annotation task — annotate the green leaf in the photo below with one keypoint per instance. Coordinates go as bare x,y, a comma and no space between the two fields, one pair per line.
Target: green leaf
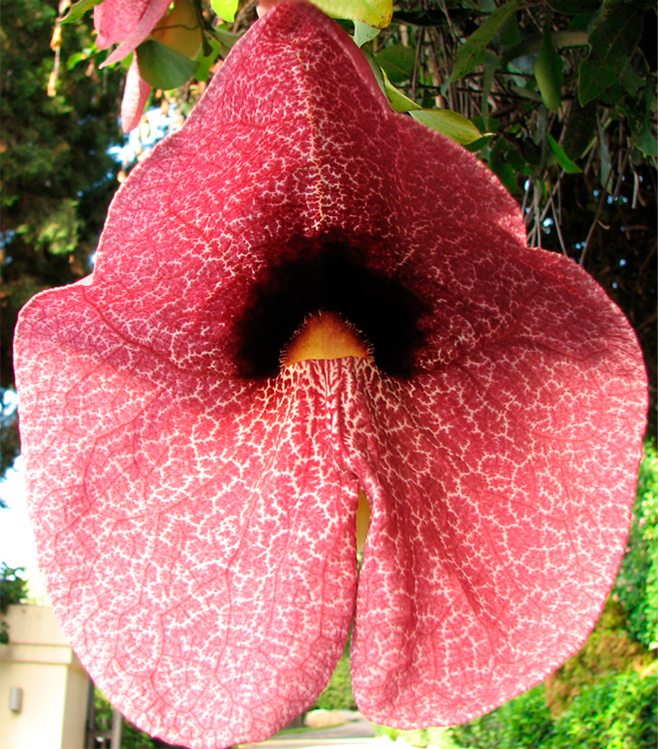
398,61
225,38
573,7
510,34
207,61
581,129
376,70
479,144
631,81
364,33
79,9
548,72
76,58
399,101
613,41
527,93
647,143
517,162
162,66
455,126
562,159
471,54
376,13
501,168
225,9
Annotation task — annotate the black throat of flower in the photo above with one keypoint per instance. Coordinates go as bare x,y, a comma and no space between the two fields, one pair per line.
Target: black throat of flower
328,276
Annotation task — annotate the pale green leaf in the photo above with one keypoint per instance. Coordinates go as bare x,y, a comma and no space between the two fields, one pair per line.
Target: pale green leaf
376,13
78,10
364,33
399,101
451,124
225,9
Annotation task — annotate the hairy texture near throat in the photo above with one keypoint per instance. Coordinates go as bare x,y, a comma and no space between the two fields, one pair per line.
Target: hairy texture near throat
195,502
324,335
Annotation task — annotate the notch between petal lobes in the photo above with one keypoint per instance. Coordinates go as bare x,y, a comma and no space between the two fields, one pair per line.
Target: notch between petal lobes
195,505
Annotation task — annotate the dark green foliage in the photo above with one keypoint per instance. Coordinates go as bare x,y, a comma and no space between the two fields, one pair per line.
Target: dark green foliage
13,589
131,736
337,695
613,41
618,712
637,583
526,721
9,442
609,649
57,177
523,723
485,732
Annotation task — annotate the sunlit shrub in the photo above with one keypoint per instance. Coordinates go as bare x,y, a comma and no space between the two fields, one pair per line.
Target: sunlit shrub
337,695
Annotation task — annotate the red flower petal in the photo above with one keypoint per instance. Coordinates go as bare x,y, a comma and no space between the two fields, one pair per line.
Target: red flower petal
126,23
196,526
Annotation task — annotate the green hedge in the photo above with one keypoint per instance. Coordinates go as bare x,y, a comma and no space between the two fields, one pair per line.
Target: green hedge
338,692
522,723
618,712
637,583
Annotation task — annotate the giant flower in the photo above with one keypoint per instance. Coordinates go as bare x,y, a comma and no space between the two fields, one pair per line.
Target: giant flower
194,477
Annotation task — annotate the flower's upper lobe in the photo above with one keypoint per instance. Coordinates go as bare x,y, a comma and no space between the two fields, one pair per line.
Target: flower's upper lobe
195,507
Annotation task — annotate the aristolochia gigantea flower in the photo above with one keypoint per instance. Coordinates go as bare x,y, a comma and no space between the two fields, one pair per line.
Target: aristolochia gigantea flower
195,468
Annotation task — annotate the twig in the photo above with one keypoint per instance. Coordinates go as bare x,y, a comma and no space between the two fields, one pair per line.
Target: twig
592,227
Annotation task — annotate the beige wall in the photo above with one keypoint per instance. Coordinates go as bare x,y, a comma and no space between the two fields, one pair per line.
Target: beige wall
55,686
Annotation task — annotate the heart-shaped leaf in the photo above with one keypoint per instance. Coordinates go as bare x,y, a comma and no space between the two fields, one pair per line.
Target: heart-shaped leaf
164,67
